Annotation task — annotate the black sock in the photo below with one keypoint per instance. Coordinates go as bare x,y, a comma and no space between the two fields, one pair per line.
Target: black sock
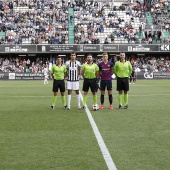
102,99
110,99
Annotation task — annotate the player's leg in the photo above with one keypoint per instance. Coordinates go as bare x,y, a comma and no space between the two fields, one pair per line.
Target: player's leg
85,89
102,89
69,88
134,78
126,89
78,98
109,89
130,79
119,89
62,91
76,87
93,90
69,99
55,90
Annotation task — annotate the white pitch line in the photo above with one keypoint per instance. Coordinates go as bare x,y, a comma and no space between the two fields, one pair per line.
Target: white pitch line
107,157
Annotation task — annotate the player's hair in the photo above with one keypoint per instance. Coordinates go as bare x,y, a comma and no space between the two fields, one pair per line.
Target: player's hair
89,55
58,57
104,53
72,52
123,52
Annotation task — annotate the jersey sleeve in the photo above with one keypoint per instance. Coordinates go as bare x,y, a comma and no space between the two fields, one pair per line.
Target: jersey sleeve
67,64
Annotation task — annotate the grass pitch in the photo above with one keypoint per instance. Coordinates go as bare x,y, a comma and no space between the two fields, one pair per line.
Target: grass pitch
32,137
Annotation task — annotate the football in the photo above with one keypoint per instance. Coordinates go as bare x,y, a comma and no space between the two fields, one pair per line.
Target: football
95,107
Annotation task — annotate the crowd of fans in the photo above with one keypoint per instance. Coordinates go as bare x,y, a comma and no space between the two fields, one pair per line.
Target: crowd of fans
149,63
47,21
34,21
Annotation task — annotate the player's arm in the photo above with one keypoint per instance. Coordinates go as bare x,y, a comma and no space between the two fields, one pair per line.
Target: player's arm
65,72
79,70
130,69
112,68
97,71
115,69
82,72
52,73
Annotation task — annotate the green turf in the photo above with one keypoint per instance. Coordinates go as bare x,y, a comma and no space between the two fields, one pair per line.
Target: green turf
32,137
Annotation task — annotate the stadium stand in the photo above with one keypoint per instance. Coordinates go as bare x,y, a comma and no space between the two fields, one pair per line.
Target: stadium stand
84,22
149,63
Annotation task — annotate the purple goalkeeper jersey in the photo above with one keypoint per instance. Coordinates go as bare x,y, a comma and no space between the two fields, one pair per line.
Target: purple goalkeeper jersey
105,69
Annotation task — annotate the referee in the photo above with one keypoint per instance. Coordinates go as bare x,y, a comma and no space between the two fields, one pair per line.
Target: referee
123,70
58,73
90,71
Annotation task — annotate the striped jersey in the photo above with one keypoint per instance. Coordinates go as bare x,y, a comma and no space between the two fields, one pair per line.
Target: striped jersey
73,70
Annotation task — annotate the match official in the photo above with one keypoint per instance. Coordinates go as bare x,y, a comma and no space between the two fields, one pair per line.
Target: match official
58,73
90,71
123,70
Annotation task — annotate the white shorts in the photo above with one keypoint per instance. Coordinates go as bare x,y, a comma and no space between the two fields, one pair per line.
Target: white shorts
72,85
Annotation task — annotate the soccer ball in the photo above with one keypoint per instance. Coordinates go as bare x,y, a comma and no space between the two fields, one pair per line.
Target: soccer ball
95,107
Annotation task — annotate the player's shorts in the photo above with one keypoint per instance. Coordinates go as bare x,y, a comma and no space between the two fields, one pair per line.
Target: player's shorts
89,83
58,84
122,84
104,84
72,85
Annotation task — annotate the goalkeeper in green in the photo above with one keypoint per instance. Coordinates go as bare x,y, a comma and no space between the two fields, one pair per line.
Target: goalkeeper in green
123,70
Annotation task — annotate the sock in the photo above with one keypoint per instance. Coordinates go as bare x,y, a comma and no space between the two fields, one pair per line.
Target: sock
120,99
63,100
84,99
110,99
102,99
68,100
54,100
95,99
126,99
78,99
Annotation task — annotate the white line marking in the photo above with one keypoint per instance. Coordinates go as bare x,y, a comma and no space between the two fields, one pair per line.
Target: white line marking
107,157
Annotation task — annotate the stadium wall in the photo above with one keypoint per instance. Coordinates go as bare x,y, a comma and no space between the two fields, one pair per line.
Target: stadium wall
84,48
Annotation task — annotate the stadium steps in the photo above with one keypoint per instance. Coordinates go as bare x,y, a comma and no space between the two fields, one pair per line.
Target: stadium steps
140,35
71,26
166,35
149,18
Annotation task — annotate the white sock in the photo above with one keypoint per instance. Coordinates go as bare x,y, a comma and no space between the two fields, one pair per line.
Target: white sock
68,100
78,100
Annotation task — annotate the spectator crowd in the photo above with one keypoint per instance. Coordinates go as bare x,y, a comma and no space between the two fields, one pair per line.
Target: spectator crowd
149,63
47,21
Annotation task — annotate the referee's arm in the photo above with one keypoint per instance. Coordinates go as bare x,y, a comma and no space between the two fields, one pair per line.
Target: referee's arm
97,74
82,73
52,76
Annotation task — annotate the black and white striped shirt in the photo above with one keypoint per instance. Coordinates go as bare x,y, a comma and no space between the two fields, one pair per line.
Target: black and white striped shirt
72,70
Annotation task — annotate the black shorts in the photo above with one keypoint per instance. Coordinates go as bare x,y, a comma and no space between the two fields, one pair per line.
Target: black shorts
104,84
58,84
89,83
122,84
